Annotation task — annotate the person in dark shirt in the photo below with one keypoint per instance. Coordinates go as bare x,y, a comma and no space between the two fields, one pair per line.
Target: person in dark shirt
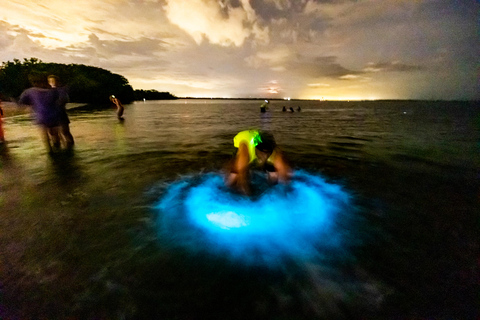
63,99
43,100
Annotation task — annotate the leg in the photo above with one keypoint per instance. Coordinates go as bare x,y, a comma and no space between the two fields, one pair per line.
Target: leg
54,137
67,135
46,138
119,112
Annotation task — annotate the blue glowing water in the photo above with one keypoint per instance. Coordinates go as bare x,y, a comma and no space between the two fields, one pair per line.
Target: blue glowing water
297,220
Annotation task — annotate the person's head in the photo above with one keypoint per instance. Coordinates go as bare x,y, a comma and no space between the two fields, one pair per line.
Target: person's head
112,98
265,146
53,80
38,80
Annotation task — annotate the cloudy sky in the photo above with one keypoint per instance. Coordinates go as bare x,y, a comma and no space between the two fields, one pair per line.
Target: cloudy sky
306,49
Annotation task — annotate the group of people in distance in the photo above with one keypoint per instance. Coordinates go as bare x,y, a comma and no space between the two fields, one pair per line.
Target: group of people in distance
284,109
48,101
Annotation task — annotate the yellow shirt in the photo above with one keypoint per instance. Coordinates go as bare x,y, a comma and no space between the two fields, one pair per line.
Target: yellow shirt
252,138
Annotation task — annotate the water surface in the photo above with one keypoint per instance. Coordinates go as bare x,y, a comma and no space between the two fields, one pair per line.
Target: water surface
80,234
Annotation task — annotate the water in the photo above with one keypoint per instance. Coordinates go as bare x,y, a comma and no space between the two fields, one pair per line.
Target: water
81,236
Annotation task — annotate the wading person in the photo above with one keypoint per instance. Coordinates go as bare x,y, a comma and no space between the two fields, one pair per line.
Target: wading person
2,136
256,149
264,106
43,100
62,101
119,106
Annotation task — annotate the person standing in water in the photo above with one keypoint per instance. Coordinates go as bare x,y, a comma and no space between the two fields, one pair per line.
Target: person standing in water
44,101
2,136
256,148
62,101
263,107
119,106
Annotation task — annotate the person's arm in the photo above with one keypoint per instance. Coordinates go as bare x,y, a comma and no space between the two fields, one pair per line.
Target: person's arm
281,167
63,98
118,103
242,160
25,100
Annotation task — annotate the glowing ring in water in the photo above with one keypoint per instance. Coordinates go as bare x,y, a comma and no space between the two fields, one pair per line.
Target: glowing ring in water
200,214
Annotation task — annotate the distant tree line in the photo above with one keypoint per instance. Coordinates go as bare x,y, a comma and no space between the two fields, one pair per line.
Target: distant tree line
85,84
153,95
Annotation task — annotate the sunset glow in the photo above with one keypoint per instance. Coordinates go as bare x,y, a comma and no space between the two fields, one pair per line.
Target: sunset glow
300,49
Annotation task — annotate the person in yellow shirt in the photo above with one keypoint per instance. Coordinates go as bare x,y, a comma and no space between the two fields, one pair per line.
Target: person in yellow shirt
256,148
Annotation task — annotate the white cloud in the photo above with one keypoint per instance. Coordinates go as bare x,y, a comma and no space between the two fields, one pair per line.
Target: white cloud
217,22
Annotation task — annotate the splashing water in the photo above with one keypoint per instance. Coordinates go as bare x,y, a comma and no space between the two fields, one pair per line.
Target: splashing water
295,221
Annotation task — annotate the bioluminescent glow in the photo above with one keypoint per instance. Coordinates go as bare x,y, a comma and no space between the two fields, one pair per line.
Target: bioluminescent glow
227,220
297,220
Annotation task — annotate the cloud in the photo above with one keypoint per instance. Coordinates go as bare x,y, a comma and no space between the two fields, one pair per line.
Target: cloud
239,46
353,77
219,22
274,58
319,85
142,46
391,66
325,66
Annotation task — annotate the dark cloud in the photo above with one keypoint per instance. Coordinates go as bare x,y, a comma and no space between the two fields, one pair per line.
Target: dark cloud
327,67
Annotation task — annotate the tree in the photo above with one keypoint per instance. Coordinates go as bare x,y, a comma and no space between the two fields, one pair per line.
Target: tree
85,84
153,95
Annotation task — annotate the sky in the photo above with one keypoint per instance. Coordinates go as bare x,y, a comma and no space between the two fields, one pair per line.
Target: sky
298,49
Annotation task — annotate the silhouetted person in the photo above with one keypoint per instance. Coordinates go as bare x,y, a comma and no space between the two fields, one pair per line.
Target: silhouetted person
119,106
62,101
291,109
284,109
256,148
263,107
43,100
299,109
2,136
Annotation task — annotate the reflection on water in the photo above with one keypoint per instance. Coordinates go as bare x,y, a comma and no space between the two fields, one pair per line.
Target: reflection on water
80,235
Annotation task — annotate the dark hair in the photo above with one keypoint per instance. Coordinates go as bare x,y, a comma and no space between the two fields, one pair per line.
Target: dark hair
38,79
267,142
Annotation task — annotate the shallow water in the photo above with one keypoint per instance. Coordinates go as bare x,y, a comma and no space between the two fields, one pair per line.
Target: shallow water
82,235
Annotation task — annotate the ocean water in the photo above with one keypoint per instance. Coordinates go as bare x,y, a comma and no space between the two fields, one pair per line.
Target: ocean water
116,228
